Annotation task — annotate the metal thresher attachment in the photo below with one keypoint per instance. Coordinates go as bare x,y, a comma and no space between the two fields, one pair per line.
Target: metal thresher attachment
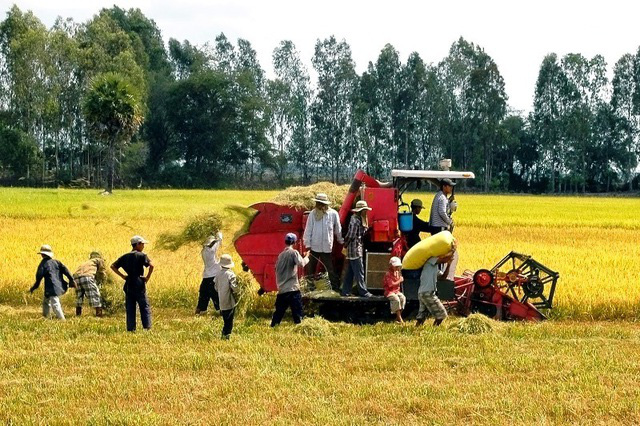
514,289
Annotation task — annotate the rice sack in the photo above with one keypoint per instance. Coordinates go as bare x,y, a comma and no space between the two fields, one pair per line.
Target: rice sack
435,245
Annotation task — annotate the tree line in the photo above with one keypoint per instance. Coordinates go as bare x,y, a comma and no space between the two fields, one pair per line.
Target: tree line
108,101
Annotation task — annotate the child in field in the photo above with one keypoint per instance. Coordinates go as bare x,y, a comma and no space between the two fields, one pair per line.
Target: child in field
226,284
287,280
427,295
87,277
135,283
53,272
392,281
212,267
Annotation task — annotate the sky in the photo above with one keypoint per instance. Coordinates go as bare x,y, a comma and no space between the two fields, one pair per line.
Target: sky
516,34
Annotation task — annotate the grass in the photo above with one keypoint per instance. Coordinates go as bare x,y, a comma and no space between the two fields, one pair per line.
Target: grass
88,371
578,368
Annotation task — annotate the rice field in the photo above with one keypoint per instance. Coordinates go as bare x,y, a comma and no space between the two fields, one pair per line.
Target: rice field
578,368
591,241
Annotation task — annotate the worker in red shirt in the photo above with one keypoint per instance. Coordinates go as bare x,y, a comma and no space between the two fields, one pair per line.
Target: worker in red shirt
392,280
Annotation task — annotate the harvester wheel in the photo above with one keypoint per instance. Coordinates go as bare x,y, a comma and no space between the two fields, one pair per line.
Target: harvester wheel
483,278
533,288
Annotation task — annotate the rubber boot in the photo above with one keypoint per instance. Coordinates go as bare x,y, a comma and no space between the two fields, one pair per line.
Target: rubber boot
99,312
78,311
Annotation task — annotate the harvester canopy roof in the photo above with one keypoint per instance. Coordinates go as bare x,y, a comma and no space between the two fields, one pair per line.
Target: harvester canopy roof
431,174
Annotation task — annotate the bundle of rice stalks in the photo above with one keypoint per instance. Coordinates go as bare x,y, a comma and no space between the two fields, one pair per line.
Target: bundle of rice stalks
111,294
302,196
316,327
195,231
474,324
248,293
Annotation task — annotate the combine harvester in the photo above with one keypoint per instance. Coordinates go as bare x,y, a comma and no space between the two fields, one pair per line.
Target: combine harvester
516,288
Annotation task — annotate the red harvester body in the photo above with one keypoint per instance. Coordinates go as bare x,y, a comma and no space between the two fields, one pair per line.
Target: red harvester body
499,295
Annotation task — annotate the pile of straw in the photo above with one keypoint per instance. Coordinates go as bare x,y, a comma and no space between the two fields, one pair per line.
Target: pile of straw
302,196
316,327
474,324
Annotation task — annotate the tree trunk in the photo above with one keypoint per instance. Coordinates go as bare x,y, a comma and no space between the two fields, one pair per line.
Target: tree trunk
111,166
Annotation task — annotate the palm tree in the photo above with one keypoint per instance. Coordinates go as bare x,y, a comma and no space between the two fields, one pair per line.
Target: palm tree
113,114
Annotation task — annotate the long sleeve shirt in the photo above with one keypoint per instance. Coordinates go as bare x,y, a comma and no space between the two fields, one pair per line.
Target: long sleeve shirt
319,234
226,285
287,270
52,271
353,239
211,262
439,211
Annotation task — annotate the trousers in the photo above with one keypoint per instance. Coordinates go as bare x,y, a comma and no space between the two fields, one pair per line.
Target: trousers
355,272
291,299
227,319
132,300
207,293
52,303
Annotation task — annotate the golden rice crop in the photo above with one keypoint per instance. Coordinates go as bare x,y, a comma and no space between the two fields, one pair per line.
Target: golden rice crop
591,241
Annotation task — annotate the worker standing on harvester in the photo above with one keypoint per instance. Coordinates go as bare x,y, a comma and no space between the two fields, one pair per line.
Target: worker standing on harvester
441,220
212,267
427,295
287,280
323,225
440,217
419,225
353,241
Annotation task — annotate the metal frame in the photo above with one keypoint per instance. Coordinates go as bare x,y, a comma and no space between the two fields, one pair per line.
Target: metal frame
527,266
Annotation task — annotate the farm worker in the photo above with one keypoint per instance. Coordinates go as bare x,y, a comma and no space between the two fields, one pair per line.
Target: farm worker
226,285
211,261
392,280
53,272
323,225
419,225
87,277
353,242
427,296
440,217
287,280
135,283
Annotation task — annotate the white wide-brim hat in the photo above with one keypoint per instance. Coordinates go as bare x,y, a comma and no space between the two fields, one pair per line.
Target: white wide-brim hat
46,250
226,261
361,205
322,198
